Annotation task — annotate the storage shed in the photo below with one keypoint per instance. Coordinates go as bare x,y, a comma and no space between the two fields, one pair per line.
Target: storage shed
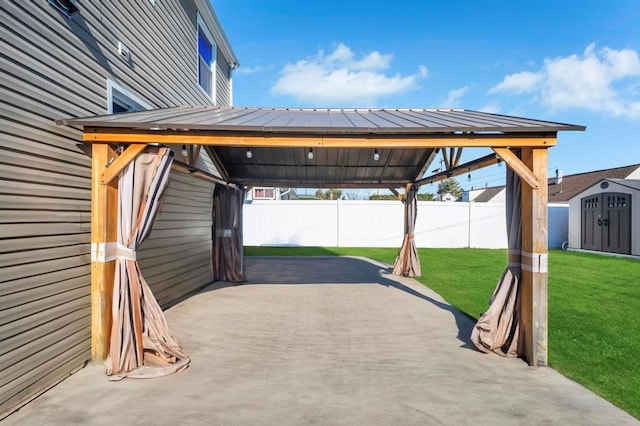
606,217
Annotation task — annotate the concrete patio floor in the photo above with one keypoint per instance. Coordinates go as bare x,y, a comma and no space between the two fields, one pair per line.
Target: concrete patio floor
326,340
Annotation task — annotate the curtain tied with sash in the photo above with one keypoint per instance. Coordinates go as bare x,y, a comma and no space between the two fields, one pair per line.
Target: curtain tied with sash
407,263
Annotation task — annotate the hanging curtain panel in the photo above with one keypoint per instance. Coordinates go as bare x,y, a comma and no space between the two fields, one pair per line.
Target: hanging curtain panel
498,329
228,255
141,344
407,263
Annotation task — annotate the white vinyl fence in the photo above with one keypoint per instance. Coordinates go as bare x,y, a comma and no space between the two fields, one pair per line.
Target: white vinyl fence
345,223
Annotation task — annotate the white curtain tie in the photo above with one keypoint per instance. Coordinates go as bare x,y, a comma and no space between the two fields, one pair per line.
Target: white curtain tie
106,252
124,252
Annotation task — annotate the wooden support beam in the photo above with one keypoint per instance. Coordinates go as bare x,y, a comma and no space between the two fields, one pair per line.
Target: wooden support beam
189,158
477,164
456,162
217,162
533,303
201,174
517,166
128,155
104,216
396,193
194,155
445,157
426,163
431,140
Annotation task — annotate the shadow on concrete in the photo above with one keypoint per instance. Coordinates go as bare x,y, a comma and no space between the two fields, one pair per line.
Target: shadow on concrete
335,270
463,322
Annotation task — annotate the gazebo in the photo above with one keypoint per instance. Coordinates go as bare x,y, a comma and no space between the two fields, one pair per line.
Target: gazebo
347,148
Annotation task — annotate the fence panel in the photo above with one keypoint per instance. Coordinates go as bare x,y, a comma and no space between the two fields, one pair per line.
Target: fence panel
346,223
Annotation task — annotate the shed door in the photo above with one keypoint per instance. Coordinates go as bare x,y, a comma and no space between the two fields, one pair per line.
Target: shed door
616,231
606,222
592,222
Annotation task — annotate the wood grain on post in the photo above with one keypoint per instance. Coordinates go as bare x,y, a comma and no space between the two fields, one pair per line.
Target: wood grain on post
104,216
534,258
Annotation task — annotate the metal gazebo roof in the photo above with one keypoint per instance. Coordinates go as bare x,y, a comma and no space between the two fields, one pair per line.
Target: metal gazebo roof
344,141
328,121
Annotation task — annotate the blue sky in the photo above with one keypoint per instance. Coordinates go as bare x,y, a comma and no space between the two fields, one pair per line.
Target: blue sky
567,61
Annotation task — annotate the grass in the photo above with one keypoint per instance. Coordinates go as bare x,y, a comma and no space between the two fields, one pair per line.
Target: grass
594,307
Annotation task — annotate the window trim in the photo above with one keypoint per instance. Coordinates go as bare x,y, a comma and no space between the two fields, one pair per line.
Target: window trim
264,189
202,26
119,92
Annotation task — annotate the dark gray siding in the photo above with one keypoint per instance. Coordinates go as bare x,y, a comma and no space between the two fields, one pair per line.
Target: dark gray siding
51,68
176,257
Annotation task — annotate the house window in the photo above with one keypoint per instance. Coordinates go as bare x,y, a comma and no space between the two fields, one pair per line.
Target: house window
264,194
123,100
206,60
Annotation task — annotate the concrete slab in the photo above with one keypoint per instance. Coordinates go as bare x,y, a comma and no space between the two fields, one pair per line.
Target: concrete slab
330,340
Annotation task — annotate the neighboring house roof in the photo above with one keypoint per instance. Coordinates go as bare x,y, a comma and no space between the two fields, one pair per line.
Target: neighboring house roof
574,184
488,194
571,184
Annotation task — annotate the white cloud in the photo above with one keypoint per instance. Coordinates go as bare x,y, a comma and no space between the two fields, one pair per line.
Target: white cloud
343,78
250,70
491,108
453,96
522,82
594,81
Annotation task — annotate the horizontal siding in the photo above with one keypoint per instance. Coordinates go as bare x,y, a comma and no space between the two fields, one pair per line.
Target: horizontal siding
53,68
223,86
176,257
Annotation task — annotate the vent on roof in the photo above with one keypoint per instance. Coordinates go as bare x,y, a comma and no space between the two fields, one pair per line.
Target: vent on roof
559,175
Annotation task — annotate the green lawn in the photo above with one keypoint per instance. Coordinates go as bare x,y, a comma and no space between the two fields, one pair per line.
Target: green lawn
594,307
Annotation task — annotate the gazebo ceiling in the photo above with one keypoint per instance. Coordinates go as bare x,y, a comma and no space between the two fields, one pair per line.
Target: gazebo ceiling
344,142
336,167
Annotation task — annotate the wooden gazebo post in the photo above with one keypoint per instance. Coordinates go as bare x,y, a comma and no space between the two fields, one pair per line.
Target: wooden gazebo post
106,164
104,216
535,258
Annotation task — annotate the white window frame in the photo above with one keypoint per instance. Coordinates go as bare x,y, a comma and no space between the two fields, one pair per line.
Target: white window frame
214,53
124,95
264,191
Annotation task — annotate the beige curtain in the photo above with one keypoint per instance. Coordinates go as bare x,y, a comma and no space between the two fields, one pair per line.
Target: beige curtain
498,329
228,254
407,263
141,343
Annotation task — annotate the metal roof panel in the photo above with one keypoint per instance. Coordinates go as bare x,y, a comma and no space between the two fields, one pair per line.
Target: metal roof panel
357,121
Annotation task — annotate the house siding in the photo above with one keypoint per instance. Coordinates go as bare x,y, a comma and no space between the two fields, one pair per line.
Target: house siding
52,68
176,257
